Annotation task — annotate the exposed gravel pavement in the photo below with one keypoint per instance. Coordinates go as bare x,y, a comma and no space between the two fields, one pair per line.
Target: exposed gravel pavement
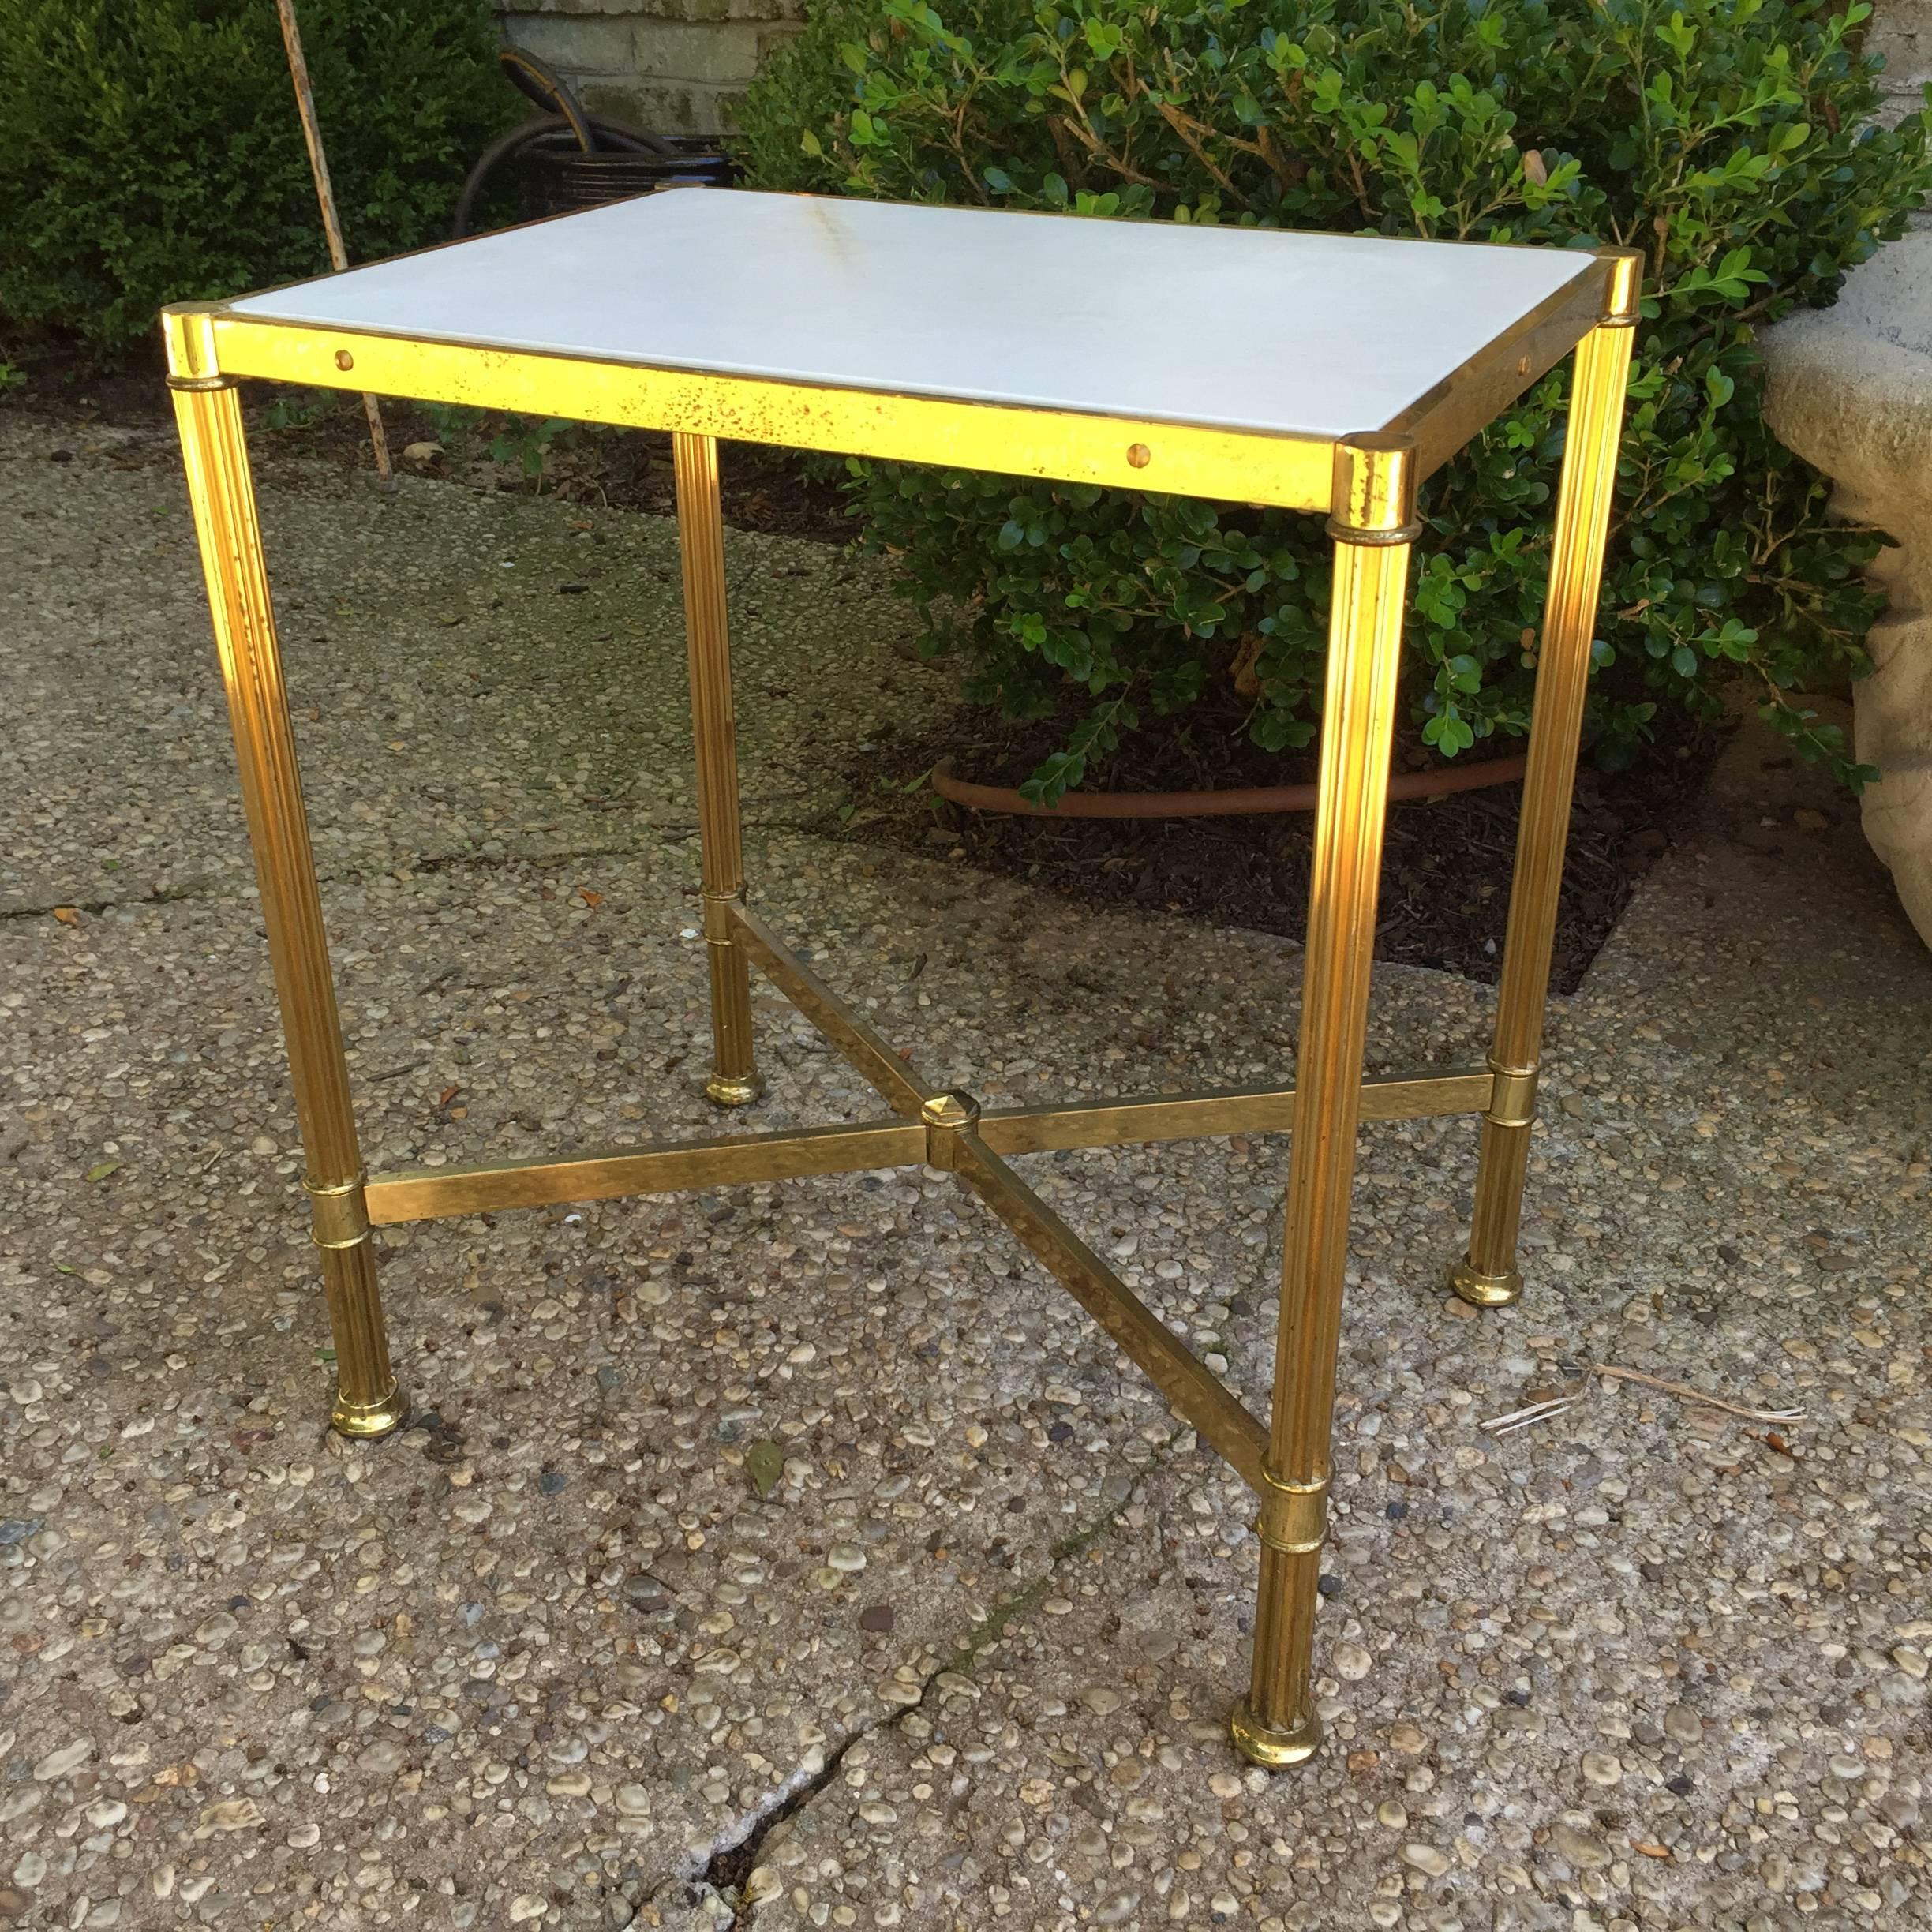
548,1656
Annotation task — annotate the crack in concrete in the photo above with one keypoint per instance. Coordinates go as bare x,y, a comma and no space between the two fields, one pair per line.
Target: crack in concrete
350,875
162,895
720,1881
201,888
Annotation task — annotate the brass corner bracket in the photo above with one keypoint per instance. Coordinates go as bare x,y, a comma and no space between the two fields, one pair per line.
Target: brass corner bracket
188,336
1621,297
1374,497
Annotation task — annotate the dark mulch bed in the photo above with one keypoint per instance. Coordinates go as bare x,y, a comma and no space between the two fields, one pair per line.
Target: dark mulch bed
1445,881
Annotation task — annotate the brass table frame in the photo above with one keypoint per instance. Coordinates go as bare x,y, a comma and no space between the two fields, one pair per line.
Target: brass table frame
1365,485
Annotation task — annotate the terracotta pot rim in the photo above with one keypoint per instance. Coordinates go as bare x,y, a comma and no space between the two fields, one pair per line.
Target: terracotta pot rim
1241,802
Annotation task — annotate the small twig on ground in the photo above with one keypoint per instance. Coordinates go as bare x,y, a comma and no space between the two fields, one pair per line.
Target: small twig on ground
1525,1418
1551,1406
1685,1393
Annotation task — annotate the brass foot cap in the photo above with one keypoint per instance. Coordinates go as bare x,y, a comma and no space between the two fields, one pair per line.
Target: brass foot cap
1481,1290
1274,1749
730,1090
366,1420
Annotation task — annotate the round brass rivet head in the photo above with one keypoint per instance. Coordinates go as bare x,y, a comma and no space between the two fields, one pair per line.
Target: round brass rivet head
1139,455
344,360
951,1109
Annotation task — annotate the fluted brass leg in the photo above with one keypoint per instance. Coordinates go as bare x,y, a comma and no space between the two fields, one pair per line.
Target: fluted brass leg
701,537
1373,524
367,1402
1488,1275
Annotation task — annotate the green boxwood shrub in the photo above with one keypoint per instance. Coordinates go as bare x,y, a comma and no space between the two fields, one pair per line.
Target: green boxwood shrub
150,150
1732,140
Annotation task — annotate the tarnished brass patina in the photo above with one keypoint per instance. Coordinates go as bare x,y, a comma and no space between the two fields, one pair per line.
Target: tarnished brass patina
700,537
208,411
1488,1275
1365,484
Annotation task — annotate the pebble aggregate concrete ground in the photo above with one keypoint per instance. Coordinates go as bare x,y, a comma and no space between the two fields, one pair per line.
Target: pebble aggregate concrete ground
549,1656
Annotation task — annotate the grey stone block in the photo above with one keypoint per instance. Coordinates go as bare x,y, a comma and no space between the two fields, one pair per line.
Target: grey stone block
725,9
723,54
567,7
665,107
654,9
575,45
675,65
1850,391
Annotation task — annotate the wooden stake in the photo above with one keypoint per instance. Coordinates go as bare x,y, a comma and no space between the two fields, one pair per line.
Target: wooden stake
331,226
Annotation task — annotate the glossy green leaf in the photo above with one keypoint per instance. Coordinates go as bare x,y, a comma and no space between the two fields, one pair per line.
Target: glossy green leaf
765,1467
1734,141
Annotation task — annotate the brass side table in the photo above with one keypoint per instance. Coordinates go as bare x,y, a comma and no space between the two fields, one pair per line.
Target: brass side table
1316,372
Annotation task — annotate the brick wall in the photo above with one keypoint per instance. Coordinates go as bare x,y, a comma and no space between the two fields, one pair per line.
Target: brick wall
668,66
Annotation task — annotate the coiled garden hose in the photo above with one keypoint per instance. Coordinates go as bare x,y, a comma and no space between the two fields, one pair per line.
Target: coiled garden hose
610,137
562,113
